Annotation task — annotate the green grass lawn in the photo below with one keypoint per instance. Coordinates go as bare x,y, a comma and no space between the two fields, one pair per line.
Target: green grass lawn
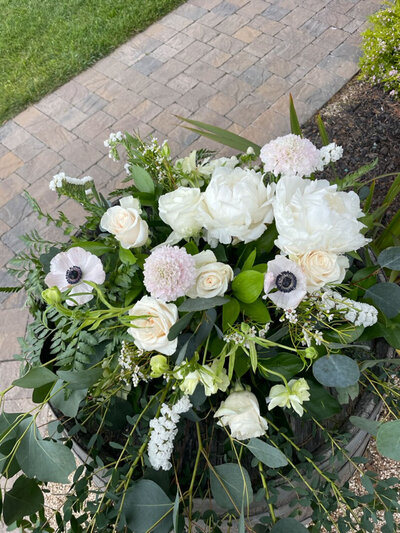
43,43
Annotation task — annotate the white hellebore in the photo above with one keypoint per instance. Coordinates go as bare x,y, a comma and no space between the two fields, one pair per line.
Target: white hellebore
296,392
180,210
212,277
321,268
288,280
125,223
151,332
241,412
237,205
313,215
70,270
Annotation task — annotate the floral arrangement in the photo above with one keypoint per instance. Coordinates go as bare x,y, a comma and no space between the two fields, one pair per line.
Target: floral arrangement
380,63
204,337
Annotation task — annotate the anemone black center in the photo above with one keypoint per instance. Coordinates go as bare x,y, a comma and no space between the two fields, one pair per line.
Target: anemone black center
73,275
286,281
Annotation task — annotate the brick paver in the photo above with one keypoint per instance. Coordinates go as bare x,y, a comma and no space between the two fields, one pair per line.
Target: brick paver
229,62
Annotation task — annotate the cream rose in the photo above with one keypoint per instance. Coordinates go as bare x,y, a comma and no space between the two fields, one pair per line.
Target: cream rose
151,333
321,268
212,277
241,412
180,210
125,223
237,205
314,215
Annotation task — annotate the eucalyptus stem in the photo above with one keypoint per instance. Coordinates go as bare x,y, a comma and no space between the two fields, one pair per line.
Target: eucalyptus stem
264,482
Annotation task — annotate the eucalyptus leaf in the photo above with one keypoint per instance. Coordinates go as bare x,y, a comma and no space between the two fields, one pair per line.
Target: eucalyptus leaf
36,377
67,400
231,486
145,504
24,499
336,370
288,525
365,424
202,304
179,326
81,380
345,394
388,440
386,296
390,258
267,454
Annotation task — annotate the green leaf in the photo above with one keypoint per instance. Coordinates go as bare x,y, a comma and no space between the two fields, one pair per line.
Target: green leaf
267,454
388,440
11,289
248,264
230,312
202,304
81,380
336,371
36,377
266,242
344,335
256,311
248,285
126,256
221,136
145,504
142,179
9,466
287,364
288,525
367,484
43,459
175,513
24,499
179,326
390,258
94,247
66,400
322,404
231,486
294,121
345,394
386,296
322,131
370,426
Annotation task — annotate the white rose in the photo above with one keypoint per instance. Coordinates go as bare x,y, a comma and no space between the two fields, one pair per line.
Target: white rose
125,223
151,333
313,215
237,205
212,277
180,210
241,412
321,268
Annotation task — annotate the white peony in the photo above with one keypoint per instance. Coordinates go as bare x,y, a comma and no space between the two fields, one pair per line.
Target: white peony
151,332
212,277
321,268
241,412
180,210
125,223
313,215
237,205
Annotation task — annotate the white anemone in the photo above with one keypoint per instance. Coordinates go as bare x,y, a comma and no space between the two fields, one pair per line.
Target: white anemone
289,281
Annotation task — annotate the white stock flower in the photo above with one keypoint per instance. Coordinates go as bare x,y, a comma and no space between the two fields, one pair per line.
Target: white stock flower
180,210
313,215
330,153
237,205
125,223
289,281
70,270
321,268
213,378
212,277
209,166
296,392
241,412
151,332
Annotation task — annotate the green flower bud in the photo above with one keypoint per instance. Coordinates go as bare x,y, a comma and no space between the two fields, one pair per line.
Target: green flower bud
159,366
52,296
311,353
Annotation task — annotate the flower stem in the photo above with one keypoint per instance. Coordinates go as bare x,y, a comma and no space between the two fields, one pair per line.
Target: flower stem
196,465
264,482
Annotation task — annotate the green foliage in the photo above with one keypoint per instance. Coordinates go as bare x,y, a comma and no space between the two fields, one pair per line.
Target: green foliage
386,296
267,454
23,499
231,486
388,439
380,63
247,286
336,371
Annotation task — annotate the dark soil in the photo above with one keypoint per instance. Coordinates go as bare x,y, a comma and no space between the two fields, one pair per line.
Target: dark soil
366,122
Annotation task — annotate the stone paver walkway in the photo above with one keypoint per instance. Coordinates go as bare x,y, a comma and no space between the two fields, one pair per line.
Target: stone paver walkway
232,63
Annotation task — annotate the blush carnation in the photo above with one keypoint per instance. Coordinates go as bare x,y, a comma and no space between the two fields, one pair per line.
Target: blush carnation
169,272
290,156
